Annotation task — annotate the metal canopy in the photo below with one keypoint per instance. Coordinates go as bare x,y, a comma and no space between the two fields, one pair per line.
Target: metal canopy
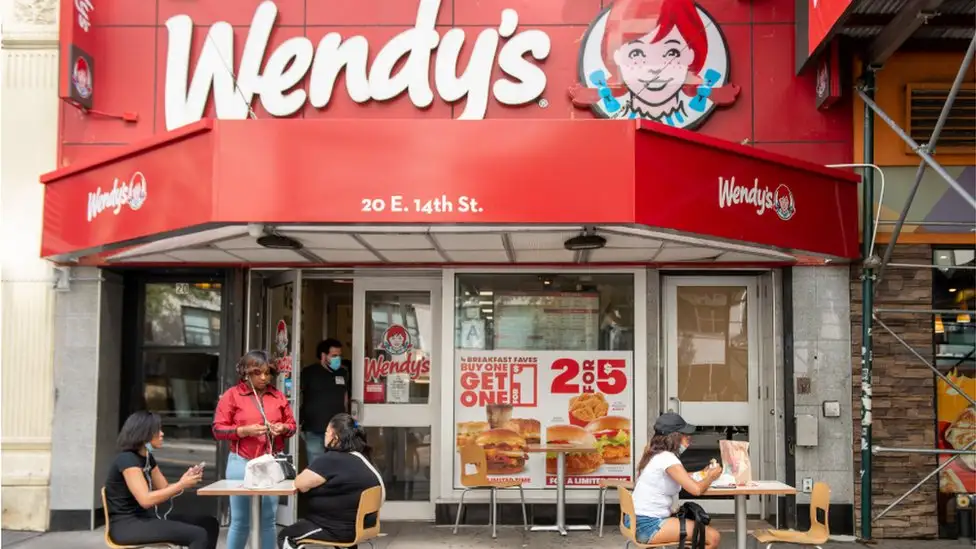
879,28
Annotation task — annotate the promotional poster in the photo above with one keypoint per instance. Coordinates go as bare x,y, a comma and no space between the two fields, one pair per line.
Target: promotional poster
509,401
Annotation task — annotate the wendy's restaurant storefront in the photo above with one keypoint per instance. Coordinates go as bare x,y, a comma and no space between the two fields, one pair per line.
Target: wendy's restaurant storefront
469,287
528,268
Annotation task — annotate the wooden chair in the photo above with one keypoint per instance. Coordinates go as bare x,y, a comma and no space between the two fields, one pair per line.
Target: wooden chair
630,532
602,504
112,545
472,454
819,532
369,503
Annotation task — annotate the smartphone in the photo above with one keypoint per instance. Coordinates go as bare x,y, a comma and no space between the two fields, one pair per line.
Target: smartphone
200,466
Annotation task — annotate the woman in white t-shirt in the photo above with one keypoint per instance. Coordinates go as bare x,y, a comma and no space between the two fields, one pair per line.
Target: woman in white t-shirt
660,476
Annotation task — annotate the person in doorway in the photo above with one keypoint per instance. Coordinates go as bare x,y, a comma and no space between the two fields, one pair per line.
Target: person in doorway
335,482
257,419
325,388
139,498
660,477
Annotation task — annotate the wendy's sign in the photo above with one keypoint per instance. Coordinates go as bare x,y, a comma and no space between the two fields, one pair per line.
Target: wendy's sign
76,35
660,60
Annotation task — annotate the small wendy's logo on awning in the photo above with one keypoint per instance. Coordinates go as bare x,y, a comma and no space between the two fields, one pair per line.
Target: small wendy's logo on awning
660,60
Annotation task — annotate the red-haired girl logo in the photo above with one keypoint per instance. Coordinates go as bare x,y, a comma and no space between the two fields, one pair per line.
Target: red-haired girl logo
396,340
660,60
783,203
81,78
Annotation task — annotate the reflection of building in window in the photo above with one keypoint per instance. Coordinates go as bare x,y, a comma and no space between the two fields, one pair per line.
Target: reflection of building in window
200,326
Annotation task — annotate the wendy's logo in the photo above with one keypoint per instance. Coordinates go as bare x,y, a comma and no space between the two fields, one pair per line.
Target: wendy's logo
660,60
396,340
81,78
783,203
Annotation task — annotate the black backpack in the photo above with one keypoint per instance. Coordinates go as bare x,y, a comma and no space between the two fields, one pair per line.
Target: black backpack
694,512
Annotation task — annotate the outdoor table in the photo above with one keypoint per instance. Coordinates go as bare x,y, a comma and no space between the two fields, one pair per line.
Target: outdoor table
236,488
560,450
755,488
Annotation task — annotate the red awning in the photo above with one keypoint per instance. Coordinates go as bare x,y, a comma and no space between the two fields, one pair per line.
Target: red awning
448,173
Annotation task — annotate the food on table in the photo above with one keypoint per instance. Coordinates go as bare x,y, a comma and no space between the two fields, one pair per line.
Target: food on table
612,435
498,415
504,451
961,433
468,431
529,429
587,407
577,463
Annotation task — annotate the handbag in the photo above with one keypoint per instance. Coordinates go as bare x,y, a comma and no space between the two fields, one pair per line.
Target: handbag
695,513
282,459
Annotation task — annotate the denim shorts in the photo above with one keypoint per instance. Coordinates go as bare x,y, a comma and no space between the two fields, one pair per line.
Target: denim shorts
647,527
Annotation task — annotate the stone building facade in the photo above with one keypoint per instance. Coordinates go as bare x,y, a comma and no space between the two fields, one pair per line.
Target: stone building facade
903,404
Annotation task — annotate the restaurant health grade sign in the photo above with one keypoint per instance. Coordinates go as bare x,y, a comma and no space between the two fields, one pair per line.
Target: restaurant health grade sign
507,401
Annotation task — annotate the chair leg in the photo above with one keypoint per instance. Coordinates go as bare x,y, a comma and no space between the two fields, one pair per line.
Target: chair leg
457,522
600,510
525,514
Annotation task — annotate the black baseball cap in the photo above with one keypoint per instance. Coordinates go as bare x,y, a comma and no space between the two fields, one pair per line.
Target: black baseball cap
672,423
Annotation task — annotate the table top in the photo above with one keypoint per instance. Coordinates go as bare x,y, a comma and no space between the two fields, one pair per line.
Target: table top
236,488
754,488
567,448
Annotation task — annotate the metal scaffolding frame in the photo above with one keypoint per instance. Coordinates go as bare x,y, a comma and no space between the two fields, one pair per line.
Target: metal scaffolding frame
873,269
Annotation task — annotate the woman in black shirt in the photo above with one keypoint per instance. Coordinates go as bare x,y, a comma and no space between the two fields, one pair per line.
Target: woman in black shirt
334,483
135,486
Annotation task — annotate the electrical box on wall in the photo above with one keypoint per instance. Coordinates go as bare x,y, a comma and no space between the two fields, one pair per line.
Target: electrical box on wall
806,430
831,408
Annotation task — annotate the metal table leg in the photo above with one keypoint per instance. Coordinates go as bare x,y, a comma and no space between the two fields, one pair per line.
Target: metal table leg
254,539
741,532
560,525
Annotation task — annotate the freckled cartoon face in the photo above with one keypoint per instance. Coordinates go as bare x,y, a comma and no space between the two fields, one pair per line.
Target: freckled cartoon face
396,341
81,76
655,72
784,202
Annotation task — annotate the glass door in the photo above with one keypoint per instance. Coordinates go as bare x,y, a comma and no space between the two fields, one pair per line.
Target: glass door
180,344
712,367
396,356
274,316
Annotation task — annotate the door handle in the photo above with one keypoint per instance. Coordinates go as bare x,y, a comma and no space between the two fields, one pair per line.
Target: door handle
677,405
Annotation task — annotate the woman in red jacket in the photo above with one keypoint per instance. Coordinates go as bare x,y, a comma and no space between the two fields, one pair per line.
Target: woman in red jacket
239,419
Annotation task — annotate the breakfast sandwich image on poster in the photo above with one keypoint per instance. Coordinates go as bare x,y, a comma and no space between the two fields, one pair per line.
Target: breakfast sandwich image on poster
512,403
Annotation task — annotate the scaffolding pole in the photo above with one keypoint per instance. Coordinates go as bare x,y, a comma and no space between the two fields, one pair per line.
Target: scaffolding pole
867,294
928,148
873,267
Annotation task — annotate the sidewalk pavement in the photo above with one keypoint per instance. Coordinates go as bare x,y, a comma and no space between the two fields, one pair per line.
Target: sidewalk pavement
401,535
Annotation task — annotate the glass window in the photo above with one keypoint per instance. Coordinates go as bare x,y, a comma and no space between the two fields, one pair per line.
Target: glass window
399,336
954,335
545,312
713,343
402,455
182,314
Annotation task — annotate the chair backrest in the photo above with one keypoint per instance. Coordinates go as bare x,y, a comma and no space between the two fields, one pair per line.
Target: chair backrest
820,501
369,502
472,454
627,510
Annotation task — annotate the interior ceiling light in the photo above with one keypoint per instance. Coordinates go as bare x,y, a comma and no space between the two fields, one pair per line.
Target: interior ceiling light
587,240
279,242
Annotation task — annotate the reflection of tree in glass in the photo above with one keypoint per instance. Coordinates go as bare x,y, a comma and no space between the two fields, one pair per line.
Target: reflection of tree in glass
164,310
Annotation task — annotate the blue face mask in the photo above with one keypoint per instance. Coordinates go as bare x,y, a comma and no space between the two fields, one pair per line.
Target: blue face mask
335,362
149,447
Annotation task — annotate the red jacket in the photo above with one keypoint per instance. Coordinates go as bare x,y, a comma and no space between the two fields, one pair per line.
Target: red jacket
237,407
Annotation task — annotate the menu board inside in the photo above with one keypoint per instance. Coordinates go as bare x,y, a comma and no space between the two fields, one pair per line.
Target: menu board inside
547,321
